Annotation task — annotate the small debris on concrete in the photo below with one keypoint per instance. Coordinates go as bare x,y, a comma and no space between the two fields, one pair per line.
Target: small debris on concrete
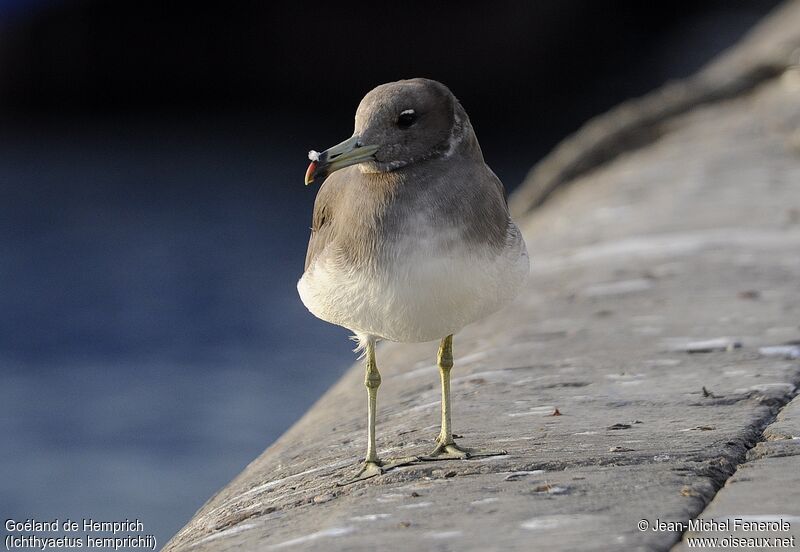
709,395
548,410
619,426
751,294
323,498
700,428
620,449
550,489
556,412
788,352
514,476
711,345
688,491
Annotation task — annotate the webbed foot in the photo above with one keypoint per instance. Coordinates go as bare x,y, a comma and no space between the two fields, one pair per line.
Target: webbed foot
451,451
373,468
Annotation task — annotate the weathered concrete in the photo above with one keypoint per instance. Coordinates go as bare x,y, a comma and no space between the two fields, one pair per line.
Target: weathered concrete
766,488
693,238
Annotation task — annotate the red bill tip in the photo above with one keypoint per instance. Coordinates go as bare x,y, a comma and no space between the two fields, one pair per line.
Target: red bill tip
312,167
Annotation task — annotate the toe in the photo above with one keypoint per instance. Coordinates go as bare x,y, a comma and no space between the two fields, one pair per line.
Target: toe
368,470
454,452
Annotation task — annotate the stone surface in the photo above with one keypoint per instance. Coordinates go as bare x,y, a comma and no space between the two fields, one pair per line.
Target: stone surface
764,489
694,238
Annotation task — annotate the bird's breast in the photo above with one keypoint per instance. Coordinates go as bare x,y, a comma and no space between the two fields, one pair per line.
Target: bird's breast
428,283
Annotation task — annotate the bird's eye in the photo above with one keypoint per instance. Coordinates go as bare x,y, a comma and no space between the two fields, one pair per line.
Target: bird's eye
406,118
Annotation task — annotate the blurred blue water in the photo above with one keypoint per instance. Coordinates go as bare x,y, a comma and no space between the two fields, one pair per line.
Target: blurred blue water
151,339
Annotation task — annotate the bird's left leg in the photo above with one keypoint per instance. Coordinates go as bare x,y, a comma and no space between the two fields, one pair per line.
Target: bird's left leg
446,447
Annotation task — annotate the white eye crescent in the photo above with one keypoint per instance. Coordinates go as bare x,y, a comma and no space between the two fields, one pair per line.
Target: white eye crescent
406,119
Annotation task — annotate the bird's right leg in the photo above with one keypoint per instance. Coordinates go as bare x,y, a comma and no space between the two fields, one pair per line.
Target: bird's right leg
372,380
372,464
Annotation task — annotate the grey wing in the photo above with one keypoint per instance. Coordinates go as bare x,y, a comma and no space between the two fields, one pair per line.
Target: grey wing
499,184
321,227
320,234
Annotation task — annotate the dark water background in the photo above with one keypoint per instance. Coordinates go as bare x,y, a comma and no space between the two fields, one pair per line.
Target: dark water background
151,339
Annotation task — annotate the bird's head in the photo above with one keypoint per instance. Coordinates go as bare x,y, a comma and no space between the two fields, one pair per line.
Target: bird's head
397,124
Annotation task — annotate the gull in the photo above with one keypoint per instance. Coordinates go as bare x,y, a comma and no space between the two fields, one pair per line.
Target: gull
411,238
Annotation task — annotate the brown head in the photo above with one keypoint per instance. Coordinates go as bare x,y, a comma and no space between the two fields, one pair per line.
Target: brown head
397,124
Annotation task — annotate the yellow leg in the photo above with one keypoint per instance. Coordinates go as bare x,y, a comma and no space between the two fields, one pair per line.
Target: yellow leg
372,380
372,464
446,447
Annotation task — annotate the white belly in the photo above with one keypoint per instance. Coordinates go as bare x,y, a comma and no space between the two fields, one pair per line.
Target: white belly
420,297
